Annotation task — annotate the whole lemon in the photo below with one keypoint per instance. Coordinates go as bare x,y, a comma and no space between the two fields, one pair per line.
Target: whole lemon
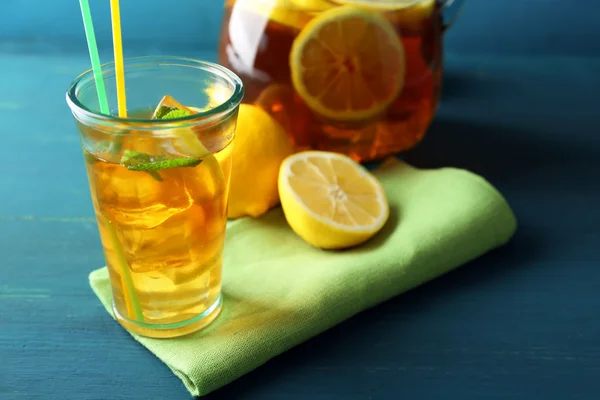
260,145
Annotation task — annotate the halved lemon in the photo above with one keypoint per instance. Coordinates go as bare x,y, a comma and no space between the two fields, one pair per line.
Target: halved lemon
348,63
331,201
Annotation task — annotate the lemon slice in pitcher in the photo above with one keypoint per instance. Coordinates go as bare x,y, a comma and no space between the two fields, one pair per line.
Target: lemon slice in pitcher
415,8
385,4
348,63
408,14
254,14
313,5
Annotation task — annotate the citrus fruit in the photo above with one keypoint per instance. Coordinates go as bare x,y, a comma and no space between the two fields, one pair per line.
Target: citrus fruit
294,13
283,104
331,201
348,63
312,5
260,145
180,142
290,13
387,4
408,14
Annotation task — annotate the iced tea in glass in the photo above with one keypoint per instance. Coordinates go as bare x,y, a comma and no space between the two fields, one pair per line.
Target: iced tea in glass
159,181
360,77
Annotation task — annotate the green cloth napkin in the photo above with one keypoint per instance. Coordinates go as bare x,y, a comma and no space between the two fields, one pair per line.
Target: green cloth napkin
279,291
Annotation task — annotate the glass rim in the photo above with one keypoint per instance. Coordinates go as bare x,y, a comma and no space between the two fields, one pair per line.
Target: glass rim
78,108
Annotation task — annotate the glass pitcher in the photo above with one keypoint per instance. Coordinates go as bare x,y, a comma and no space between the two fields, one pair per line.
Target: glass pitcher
358,77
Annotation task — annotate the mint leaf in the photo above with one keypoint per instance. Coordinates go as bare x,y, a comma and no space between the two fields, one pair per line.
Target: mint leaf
175,113
164,110
135,161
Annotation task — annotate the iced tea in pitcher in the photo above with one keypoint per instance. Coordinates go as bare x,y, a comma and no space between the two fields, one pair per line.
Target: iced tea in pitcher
360,77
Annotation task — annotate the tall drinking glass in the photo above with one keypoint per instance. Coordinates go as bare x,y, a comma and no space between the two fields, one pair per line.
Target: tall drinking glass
159,188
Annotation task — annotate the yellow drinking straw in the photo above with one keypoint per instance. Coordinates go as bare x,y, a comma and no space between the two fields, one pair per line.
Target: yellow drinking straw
118,49
133,306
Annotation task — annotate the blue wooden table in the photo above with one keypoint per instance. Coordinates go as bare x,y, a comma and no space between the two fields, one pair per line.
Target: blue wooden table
520,107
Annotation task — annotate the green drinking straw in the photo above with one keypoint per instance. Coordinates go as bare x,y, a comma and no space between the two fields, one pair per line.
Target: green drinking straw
88,25
94,56
126,276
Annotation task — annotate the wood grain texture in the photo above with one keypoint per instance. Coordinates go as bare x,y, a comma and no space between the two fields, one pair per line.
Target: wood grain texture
520,323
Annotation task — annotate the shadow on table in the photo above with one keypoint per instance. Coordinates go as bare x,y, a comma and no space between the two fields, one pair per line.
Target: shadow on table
317,353
500,154
508,159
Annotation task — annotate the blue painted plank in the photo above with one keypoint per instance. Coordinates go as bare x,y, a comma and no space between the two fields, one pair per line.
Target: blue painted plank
520,323
57,341
508,27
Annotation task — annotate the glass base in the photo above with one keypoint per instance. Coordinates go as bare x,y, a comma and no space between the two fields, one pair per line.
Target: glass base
171,330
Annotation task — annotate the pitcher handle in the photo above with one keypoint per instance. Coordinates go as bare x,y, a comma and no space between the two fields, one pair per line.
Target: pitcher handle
451,11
